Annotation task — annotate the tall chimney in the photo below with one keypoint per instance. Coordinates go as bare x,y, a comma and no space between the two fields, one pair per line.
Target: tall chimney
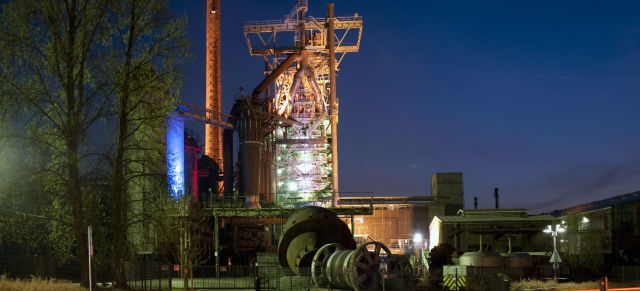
213,134
495,194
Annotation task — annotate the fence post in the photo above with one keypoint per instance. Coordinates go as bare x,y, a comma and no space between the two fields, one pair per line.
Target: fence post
481,279
456,280
502,279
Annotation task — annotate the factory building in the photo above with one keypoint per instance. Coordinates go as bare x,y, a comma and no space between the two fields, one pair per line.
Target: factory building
594,238
609,227
496,230
401,222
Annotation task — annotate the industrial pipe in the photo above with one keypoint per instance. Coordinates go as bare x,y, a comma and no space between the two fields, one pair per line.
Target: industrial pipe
227,152
251,142
274,75
311,78
333,103
249,128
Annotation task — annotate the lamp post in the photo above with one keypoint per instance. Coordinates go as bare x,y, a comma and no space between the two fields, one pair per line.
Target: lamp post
555,258
417,238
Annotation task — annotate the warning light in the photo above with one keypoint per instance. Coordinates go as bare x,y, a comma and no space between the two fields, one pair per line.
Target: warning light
604,284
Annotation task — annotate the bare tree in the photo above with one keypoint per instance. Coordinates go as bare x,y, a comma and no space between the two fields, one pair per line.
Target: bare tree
187,230
150,46
584,245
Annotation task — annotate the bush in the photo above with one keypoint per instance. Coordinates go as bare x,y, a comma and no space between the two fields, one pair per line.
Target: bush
531,284
38,284
552,285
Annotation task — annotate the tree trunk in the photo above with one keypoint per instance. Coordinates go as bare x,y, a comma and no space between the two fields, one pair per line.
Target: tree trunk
79,225
119,207
117,212
119,193
74,192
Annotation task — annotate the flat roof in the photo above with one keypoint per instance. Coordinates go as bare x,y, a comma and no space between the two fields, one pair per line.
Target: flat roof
476,219
604,203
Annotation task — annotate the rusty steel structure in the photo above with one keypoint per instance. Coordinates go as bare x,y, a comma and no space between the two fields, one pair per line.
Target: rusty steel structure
287,127
299,155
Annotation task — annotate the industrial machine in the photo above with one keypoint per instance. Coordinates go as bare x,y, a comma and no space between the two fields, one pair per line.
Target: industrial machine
315,238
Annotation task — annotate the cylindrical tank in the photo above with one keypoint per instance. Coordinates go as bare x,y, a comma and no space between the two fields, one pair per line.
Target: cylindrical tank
517,260
481,259
175,156
307,230
251,148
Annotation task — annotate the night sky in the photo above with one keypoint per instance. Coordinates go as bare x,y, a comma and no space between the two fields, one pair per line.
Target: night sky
537,98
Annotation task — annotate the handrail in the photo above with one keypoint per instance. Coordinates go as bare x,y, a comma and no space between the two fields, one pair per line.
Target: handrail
282,22
300,5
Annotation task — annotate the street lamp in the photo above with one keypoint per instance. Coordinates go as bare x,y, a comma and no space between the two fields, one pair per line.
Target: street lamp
417,238
555,258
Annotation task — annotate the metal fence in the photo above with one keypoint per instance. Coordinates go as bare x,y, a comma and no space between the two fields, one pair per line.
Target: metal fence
148,275
157,276
152,276
627,273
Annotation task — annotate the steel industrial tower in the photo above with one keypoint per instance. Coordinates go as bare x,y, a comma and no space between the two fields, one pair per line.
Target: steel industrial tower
304,61
213,134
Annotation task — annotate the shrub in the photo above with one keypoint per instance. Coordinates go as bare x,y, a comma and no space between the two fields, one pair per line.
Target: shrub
38,284
532,284
552,285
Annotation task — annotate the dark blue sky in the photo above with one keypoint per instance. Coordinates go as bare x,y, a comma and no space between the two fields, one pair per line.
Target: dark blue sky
537,98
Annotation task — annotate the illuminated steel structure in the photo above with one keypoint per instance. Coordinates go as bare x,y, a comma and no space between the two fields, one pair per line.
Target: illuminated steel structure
300,78
213,139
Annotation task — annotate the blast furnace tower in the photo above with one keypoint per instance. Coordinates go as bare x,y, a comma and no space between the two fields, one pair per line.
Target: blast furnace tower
300,75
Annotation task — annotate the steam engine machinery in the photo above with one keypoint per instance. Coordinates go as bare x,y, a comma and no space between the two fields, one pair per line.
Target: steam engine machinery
316,239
